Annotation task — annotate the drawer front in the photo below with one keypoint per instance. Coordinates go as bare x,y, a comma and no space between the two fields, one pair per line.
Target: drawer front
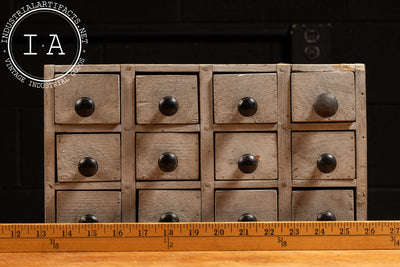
167,156
231,204
165,99
308,204
231,161
185,204
323,96
230,91
104,205
88,99
88,157
314,155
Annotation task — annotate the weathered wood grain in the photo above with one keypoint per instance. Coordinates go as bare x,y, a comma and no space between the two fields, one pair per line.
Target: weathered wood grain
244,68
161,128
49,147
168,185
87,128
150,89
89,68
128,190
105,205
324,67
284,143
307,205
325,183
167,67
208,131
229,89
104,148
323,126
307,86
207,164
87,186
103,89
237,184
308,146
229,147
246,127
361,143
149,147
231,204
186,204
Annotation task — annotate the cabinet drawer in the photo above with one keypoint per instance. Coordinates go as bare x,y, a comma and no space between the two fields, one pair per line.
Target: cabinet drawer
185,204
88,99
104,205
164,99
314,155
323,96
231,204
245,156
88,157
236,95
308,204
167,156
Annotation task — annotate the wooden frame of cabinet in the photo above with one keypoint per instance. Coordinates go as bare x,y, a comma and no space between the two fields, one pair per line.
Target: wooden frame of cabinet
206,128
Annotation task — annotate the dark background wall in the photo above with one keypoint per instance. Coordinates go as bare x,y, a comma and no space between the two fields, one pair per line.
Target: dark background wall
207,31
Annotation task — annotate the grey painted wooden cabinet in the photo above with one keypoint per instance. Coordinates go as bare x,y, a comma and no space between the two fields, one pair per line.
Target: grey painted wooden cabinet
149,143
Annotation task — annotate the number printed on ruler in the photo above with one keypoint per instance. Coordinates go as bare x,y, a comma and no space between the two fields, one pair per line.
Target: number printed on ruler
200,236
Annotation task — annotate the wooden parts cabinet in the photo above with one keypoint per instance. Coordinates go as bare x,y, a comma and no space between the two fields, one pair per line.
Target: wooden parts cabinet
144,143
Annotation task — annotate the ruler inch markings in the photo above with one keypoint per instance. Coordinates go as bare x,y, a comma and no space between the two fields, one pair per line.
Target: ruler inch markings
208,236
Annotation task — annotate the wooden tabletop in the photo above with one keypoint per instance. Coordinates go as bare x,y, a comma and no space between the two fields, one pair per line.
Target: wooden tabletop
218,258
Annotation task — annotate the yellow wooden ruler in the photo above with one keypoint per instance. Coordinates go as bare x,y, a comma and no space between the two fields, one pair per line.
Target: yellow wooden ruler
199,236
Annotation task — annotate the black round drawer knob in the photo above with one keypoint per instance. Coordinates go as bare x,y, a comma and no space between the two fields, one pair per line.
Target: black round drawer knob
326,216
247,106
326,105
326,163
168,106
169,217
168,162
88,166
247,217
247,163
88,218
84,106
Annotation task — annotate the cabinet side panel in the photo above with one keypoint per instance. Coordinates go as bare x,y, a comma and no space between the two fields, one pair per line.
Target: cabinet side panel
361,143
49,147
